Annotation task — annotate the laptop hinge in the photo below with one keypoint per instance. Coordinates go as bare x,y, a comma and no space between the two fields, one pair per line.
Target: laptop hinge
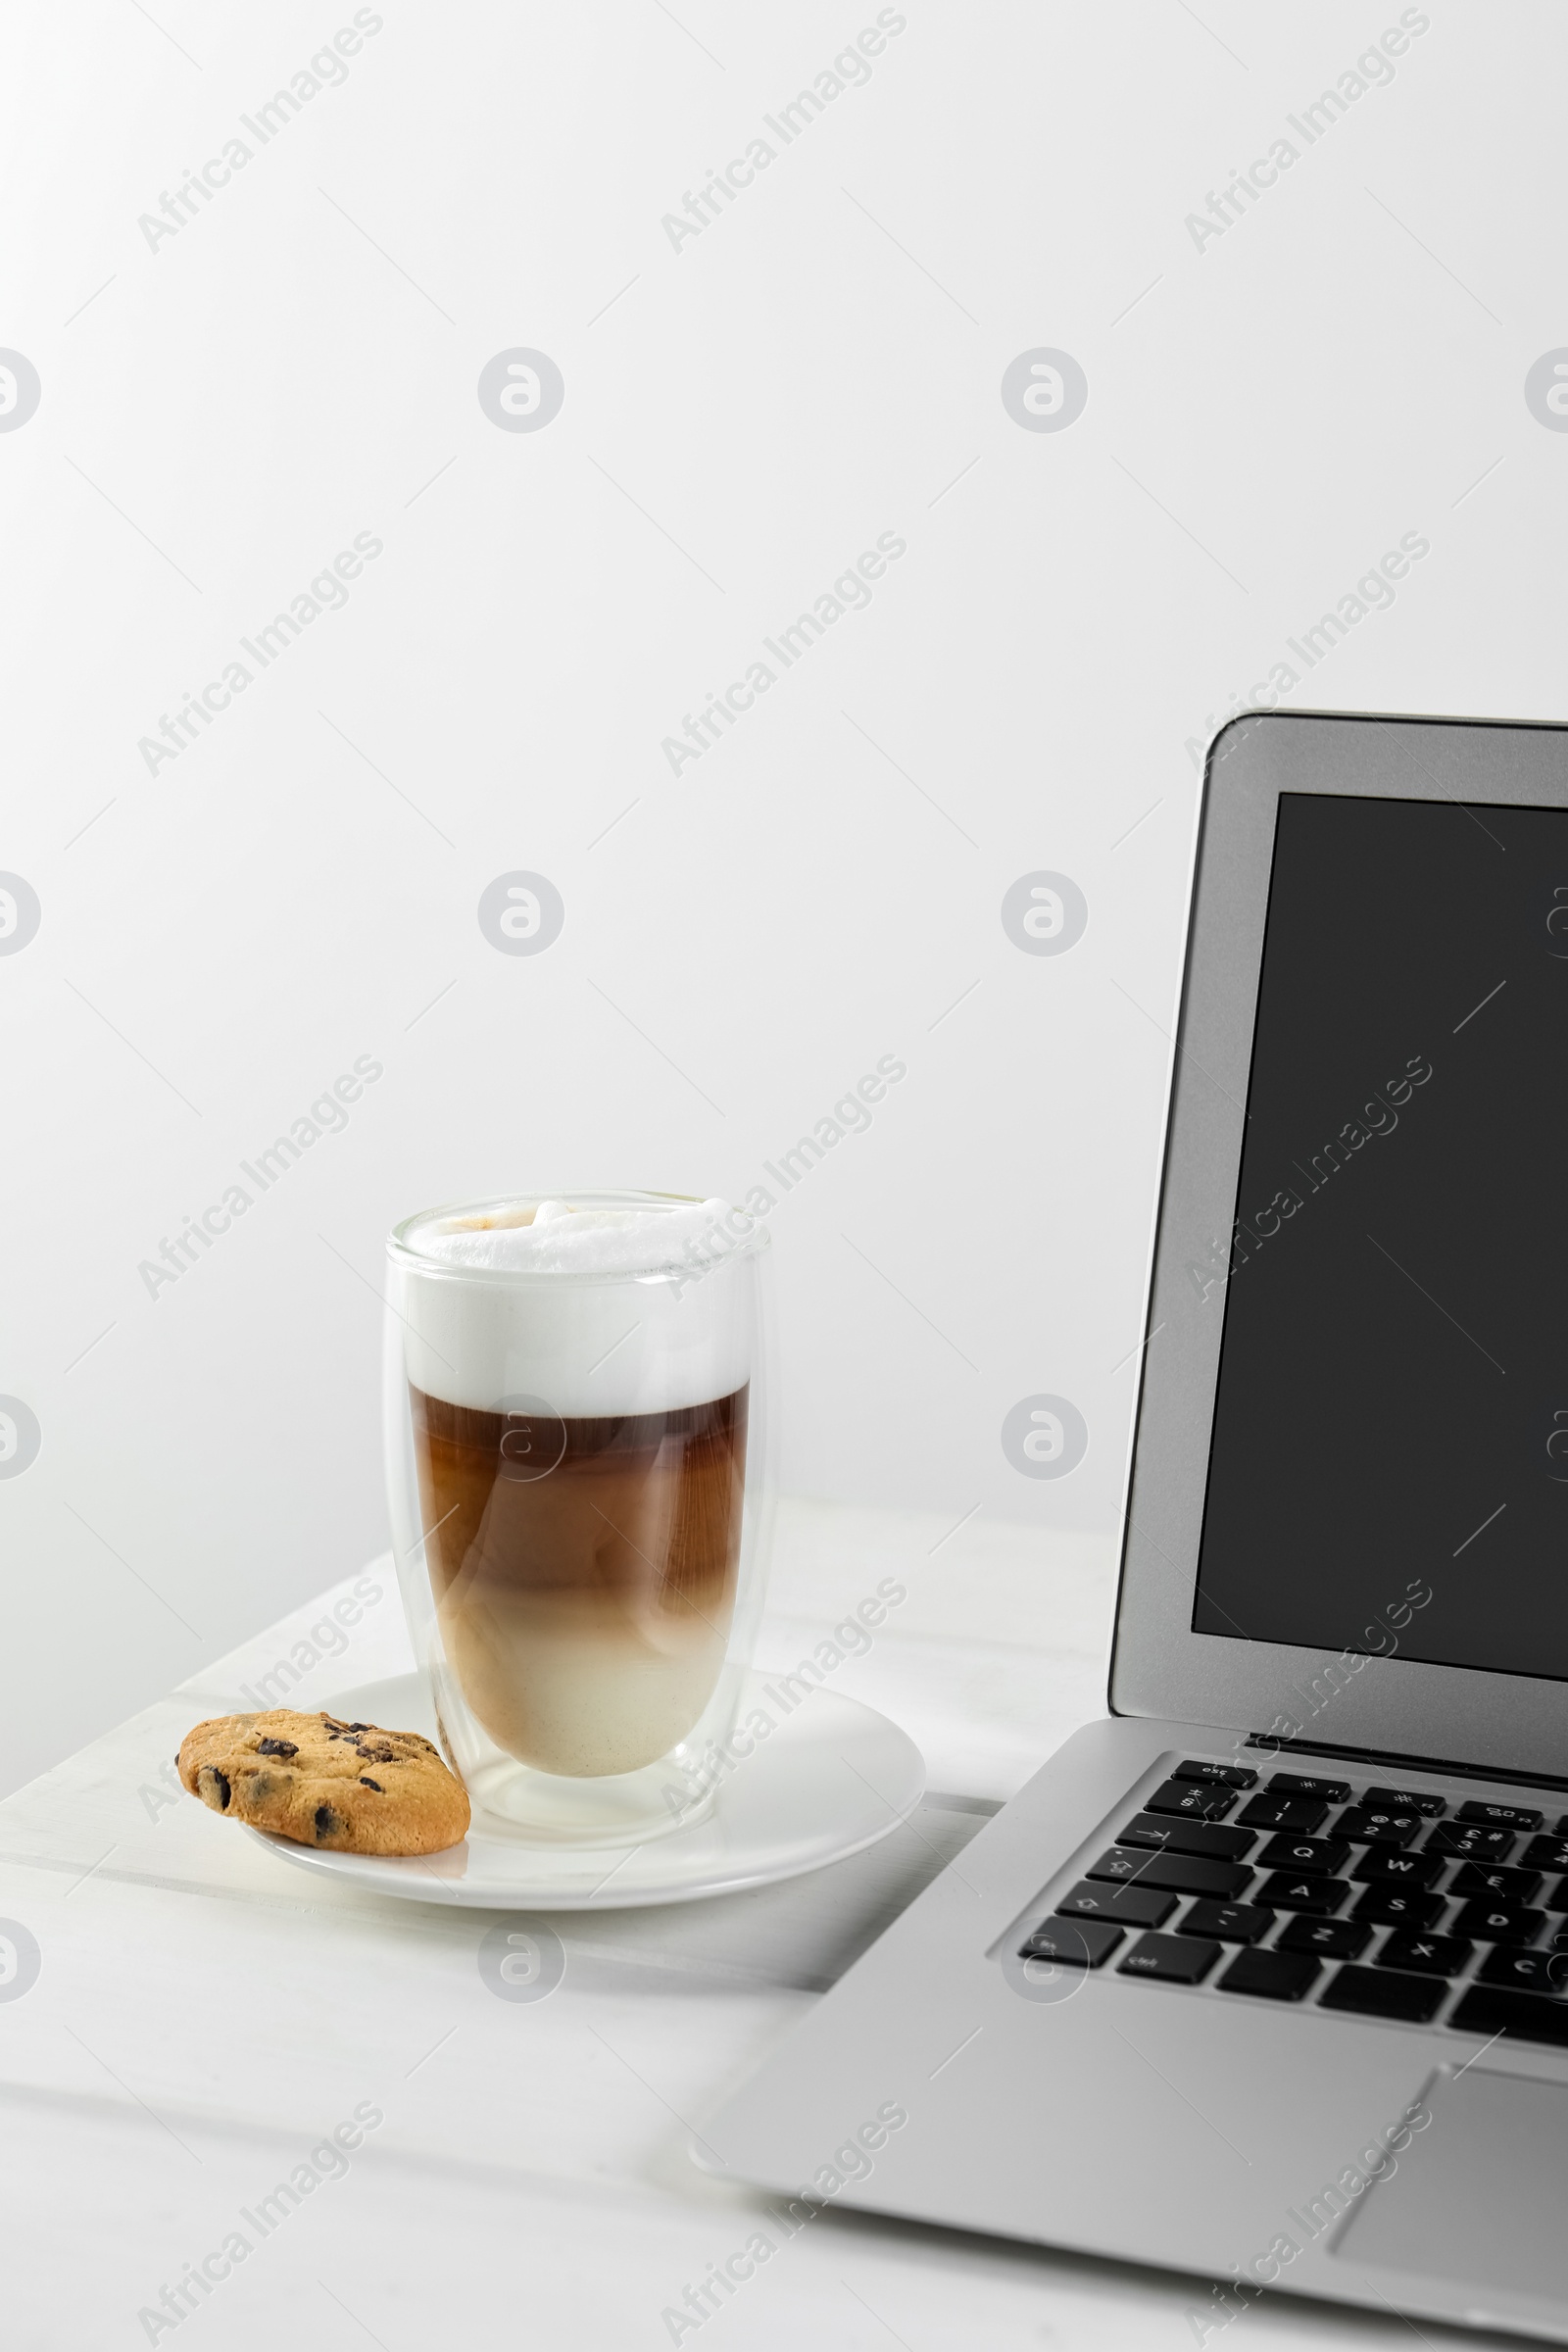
1388,1760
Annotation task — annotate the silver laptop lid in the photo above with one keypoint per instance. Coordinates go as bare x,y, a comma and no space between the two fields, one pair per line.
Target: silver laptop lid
1348,1502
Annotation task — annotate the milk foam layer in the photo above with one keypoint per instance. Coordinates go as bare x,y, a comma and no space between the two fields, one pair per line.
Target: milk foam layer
561,1239
640,1343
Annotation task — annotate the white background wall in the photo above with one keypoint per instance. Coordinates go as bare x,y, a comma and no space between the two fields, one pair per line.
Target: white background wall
1268,411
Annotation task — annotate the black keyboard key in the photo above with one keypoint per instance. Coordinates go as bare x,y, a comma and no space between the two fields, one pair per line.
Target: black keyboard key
1380,1992
1526,1972
1329,1939
1388,1866
1295,1891
1511,1817
1558,1899
1325,1857
1561,1825
1306,1813
1407,1800
1128,1906
1123,1862
1499,1922
1176,1874
1399,1907
1427,1955
1518,2016
1075,1942
1471,1840
1225,1776
1307,1784
1378,1825
1170,1959
1228,1923
1194,1799
1273,1976
1545,1853
1179,1837
1496,1878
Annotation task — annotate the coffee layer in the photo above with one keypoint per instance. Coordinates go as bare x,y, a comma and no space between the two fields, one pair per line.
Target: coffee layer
584,1571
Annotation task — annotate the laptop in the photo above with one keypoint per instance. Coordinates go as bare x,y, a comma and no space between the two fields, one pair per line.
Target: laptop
1264,1976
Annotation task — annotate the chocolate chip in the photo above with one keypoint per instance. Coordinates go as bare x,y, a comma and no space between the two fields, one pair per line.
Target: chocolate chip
277,1747
211,1780
327,1822
377,1755
375,1784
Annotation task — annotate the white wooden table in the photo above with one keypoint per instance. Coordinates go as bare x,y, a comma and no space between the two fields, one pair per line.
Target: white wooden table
208,2023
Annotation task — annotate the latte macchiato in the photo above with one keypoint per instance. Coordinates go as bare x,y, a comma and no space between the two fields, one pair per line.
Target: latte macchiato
579,1430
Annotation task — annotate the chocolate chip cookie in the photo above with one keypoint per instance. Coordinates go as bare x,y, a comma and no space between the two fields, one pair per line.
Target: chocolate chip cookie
349,1786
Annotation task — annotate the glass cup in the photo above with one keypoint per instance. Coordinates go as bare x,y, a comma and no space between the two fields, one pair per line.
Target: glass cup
577,1453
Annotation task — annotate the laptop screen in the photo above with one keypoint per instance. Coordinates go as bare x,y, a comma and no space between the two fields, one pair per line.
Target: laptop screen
1392,1409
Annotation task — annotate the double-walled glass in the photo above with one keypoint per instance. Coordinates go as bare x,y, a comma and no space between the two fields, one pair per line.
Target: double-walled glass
580,1500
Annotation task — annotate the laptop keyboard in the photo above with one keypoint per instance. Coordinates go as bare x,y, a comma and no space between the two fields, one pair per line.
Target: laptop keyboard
1374,1902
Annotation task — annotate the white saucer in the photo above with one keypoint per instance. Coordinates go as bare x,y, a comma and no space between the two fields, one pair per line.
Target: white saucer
833,1778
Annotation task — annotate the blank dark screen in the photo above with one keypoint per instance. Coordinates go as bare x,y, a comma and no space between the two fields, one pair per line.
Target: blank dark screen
1392,1410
